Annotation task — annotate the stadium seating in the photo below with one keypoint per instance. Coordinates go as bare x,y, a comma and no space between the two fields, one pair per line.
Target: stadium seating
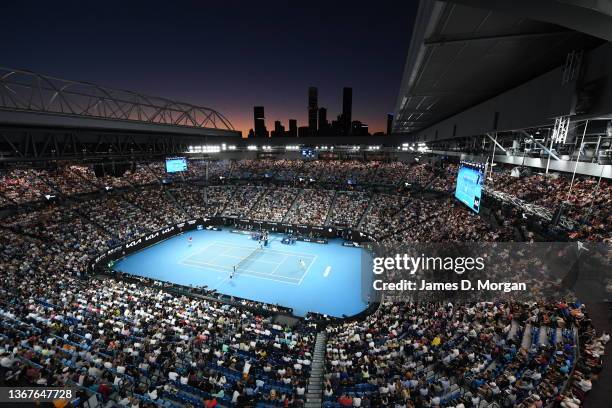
130,343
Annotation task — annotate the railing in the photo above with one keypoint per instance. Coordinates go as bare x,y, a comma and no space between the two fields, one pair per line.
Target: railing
539,211
28,91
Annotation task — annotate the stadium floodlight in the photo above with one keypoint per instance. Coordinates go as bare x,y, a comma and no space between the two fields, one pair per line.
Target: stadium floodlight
211,149
422,147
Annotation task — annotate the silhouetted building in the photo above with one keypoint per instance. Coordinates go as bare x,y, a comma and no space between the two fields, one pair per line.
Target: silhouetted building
251,134
389,123
323,125
260,121
312,110
279,129
303,131
347,109
293,130
359,129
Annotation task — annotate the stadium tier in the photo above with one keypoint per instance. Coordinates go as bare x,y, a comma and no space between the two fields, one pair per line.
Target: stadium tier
208,316
419,217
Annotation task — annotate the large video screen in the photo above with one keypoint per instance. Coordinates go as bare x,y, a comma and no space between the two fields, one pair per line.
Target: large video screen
308,153
470,178
176,164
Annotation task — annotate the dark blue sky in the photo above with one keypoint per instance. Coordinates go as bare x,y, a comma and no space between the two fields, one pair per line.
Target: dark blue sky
228,55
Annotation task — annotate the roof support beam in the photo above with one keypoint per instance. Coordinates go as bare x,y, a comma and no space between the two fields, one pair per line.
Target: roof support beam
471,37
554,156
417,111
496,143
571,14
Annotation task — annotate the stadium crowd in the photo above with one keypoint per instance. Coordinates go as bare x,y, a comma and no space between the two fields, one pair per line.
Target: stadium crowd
471,355
588,201
135,345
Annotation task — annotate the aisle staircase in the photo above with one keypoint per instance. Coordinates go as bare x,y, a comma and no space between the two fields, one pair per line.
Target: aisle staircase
367,210
294,204
172,200
315,383
260,195
331,208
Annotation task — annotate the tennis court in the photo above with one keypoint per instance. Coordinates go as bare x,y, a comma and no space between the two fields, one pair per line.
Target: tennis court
322,278
266,263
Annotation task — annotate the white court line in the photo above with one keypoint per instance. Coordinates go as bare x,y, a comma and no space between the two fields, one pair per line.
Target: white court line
274,280
308,270
220,284
204,264
215,256
236,257
242,257
327,272
257,274
250,271
199,251
279,264
305,255
189,261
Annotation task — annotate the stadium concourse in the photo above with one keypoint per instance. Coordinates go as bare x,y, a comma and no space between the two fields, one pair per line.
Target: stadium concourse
126,340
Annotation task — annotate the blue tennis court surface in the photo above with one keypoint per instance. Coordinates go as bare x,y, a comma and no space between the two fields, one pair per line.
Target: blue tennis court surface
323,278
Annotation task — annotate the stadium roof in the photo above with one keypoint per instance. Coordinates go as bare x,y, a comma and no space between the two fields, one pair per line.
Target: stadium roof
463,52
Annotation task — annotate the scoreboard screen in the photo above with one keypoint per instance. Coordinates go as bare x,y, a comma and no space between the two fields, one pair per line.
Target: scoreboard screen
308,153
470,179
176,164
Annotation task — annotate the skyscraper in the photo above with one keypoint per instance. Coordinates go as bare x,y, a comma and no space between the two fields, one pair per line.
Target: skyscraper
323,123
303,131
260,121
279,129
293,129
347,110
389,123
312,110
322,118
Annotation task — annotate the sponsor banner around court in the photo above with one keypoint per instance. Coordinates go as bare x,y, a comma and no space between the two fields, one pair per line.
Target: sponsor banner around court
298,229
144,241
471,272
321,234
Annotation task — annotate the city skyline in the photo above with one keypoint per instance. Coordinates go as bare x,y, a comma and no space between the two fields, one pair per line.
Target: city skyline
317,123
229,57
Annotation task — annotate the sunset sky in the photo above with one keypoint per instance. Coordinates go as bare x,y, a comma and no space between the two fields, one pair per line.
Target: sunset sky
227,55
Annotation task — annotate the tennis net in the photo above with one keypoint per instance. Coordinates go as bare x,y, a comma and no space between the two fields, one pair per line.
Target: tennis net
248,258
